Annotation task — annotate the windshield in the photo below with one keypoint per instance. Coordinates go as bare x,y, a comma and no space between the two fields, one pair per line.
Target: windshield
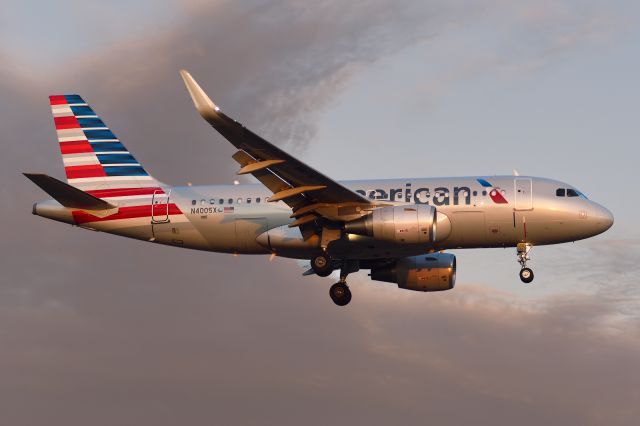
570,192
575,193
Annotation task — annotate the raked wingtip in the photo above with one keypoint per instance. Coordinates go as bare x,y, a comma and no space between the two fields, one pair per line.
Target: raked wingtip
201,101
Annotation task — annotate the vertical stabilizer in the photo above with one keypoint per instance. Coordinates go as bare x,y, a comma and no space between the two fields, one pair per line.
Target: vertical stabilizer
94,158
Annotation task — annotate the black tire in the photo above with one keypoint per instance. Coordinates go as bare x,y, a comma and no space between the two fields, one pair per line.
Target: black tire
526,275
322,265
340,294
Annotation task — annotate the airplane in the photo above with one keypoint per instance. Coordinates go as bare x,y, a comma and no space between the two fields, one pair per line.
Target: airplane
398,229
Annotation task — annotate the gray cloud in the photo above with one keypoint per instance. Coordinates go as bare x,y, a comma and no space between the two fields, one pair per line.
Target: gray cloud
275,74
99,330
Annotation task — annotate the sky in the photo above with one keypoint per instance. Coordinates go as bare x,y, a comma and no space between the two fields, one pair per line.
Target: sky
102,330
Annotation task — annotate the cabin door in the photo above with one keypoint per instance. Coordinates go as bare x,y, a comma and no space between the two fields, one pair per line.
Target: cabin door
523,193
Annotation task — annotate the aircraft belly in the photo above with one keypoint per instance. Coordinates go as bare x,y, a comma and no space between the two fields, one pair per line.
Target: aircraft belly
555,231
469,229
219,231
232,233
247,229
475,228
180,233
361,247
500,234
138,228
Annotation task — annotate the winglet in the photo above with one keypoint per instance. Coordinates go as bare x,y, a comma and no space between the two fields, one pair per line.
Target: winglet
203,104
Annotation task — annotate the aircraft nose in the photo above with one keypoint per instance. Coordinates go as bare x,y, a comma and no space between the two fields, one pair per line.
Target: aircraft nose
601,218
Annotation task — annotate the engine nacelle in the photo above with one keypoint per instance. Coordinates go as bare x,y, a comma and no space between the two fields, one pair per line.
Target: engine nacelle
412,224
427,272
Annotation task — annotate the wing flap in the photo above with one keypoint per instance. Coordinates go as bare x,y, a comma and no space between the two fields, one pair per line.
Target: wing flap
288,193
258,165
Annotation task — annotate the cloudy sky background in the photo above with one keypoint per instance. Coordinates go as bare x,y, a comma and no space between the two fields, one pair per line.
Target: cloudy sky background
100,330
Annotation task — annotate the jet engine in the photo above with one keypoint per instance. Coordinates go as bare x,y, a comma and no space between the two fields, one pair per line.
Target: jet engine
430,272
412,224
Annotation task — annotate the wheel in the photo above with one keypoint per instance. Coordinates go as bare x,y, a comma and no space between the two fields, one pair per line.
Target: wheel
340,294
526,275
321,265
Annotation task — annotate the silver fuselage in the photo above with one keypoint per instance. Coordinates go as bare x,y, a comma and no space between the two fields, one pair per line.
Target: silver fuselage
238,218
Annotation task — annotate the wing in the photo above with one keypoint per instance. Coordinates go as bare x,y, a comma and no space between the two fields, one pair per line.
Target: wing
307,191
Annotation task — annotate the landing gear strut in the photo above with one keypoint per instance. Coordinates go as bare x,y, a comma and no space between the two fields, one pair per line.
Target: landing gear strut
339,292
526,274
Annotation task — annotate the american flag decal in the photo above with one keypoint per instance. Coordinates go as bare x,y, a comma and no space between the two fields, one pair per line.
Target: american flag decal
228,209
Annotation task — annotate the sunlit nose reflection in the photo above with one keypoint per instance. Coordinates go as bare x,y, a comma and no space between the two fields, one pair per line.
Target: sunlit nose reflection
600,218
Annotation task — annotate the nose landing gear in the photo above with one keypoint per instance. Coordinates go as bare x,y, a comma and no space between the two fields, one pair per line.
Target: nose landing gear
526,274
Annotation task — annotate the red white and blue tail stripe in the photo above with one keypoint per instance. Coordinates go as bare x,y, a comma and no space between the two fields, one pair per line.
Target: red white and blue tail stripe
96,162
94,158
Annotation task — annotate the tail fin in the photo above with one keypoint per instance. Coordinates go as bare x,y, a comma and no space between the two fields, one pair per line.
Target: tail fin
94,158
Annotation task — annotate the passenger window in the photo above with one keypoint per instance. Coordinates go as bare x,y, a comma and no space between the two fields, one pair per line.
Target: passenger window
484,193
475,193
230,200
212,201
221,201
248,200
257,199
203,202
560,192
193,202
572,193
239,200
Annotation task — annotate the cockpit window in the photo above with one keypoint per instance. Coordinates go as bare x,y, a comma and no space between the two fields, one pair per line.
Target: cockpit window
570,192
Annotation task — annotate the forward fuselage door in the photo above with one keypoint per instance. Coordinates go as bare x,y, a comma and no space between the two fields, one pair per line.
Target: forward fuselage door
523,190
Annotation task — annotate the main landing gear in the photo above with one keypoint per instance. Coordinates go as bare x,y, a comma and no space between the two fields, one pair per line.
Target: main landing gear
339,292
322,265
526,274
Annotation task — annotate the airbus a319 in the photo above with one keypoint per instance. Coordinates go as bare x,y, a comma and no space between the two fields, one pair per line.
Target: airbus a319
398,229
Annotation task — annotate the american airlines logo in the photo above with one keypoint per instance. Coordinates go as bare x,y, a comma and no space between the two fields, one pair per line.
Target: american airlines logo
439,196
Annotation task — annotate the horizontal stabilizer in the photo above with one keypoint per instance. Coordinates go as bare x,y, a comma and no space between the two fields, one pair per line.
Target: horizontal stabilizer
67,195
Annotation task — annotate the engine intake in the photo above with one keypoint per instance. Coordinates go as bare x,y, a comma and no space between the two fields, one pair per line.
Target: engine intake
412,224
431,272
